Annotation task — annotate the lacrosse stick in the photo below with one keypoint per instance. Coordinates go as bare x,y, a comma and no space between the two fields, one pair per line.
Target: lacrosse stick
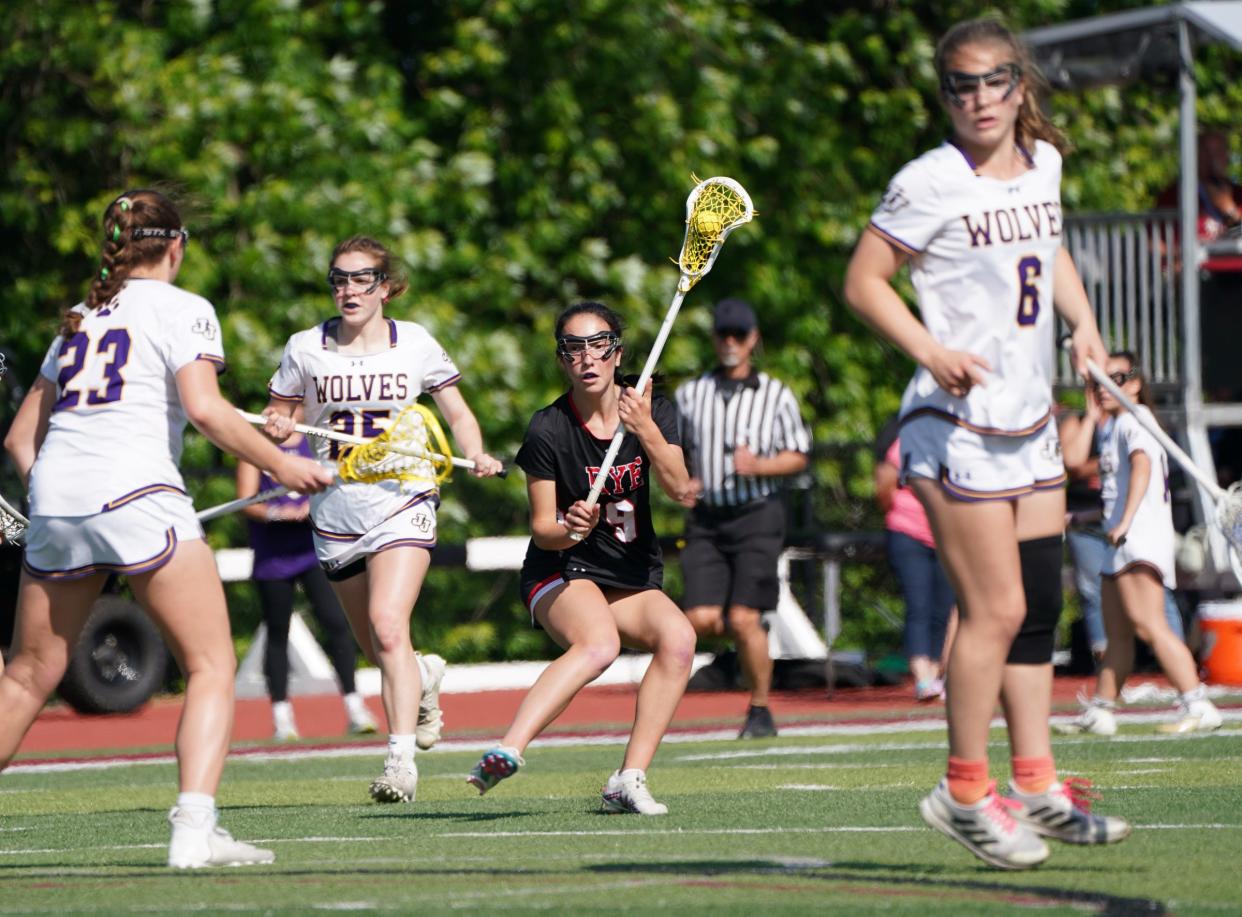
714,209
413,434
13,524
1228,515
223,509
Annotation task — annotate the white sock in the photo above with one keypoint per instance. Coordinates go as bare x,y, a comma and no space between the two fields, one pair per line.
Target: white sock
1197,693
202,805
1098,701
632,772
402,745
355,704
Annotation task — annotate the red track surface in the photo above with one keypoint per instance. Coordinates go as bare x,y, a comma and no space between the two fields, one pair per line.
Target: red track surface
484,715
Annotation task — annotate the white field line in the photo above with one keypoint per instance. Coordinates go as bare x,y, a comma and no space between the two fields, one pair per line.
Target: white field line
637,832
672,738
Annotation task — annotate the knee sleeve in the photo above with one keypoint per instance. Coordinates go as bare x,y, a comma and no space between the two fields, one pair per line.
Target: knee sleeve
1041,581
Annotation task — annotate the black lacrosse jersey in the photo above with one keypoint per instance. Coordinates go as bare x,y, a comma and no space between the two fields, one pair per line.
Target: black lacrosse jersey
623,550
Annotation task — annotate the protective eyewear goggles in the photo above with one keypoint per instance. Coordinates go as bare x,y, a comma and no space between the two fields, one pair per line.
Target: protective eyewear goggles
368,278
600,346
160,232
1120,378
958,87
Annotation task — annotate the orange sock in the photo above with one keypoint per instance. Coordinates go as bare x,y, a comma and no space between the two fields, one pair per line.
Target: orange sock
1034,775
968,780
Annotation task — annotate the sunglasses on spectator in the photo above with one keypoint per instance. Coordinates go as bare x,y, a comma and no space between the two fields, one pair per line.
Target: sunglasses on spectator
738,334
1119,378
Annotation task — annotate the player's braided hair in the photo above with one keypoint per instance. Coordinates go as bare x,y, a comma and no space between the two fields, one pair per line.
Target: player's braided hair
121,252
1033,124
385,261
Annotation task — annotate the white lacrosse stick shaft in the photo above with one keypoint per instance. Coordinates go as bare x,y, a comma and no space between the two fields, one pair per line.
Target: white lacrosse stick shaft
1179,455
648,369
233,506
259,420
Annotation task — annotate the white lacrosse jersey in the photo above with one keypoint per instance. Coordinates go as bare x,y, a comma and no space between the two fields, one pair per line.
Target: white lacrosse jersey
358,394
1121,437
115,431
982,252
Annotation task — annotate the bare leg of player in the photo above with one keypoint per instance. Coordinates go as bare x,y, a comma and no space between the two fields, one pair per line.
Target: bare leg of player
578,618
50,617
1142,596
186,599
378,604
650,621
746,625
1118,661
979,548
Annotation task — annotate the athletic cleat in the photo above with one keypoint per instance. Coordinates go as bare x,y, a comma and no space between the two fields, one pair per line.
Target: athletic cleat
361,723
930,690
1197,716
198,842
398,783
430,717
626,791
1063,813
494,767
986,829
1095,718
284,727
759,724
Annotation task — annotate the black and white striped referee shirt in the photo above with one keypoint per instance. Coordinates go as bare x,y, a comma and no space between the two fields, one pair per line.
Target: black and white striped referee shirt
715,415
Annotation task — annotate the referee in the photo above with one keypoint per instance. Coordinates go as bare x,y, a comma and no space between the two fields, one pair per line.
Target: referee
741,431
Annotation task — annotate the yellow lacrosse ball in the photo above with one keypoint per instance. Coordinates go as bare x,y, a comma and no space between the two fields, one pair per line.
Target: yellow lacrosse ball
708,223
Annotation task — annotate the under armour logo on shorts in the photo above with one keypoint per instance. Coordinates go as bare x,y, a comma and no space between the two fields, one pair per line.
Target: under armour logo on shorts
204,327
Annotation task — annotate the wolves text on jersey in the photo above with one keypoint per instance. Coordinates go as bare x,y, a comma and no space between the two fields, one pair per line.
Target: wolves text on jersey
616,476
338,389
1014,224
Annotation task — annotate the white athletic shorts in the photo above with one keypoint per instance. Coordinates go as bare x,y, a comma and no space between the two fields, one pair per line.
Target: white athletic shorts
138,536
414,525
979,466
1145,546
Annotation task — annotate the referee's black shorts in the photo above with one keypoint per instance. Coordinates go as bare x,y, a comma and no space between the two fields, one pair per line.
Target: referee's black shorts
730,555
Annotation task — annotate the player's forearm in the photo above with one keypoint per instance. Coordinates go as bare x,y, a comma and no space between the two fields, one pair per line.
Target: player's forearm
219,422
782,465
874,300
1069,297
1140,477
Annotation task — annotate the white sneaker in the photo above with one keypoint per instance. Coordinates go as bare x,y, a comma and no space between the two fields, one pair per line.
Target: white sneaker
986,829
1095,719
626,791
1197,716
1063,812
360,720
285,729
197,842
398,783
430,717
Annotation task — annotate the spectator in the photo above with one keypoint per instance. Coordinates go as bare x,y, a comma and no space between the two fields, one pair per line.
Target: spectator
1220,198
1089,547
284,555
924,586
742,432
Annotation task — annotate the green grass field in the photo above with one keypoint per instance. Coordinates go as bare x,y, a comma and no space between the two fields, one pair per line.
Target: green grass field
788,825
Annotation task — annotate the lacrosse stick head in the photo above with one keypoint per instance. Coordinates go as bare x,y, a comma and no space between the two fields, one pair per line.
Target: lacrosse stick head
414,430
1229,520
12,524
715,208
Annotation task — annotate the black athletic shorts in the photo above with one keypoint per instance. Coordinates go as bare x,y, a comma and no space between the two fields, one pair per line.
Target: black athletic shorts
730,556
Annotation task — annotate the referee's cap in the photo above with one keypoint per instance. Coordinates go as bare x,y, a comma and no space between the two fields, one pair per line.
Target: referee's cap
734,313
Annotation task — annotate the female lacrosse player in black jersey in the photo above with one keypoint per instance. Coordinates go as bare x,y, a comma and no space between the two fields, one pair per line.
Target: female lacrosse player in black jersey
597,594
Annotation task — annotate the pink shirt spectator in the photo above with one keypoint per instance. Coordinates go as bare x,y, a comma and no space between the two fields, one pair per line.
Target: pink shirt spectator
906,515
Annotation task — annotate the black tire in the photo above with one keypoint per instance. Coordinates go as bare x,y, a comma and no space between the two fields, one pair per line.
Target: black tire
119,662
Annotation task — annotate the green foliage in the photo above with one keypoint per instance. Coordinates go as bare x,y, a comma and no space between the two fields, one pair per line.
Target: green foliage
518,155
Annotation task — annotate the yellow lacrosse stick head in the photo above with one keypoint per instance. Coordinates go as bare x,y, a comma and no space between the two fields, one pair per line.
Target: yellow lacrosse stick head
412,448
715,208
